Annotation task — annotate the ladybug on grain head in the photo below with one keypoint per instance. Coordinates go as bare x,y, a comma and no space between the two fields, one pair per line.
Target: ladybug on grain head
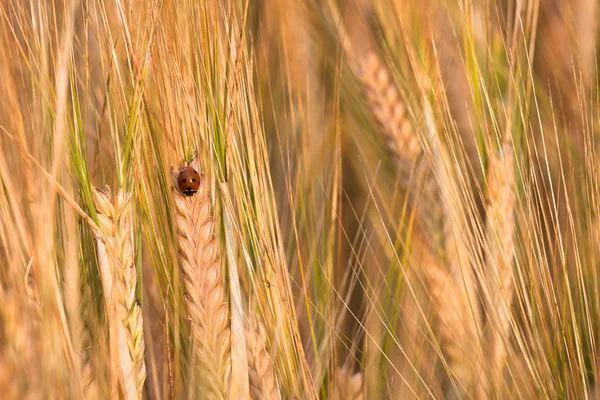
188,181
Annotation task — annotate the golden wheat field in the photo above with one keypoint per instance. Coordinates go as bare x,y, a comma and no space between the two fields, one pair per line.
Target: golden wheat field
299,199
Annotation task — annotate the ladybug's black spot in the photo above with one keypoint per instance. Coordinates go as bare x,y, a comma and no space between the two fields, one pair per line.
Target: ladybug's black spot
183,180
195,171
193,179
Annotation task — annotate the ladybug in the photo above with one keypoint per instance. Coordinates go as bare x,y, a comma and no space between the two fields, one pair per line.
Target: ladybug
188,181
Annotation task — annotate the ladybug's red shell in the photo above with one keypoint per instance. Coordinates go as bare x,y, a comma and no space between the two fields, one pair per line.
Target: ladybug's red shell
188,181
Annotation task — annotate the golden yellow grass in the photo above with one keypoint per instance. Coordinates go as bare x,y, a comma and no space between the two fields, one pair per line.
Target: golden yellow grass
340,203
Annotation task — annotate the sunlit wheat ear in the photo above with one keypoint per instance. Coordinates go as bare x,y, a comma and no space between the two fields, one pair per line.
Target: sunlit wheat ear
261,371
204,285
348,385
115,223
500,278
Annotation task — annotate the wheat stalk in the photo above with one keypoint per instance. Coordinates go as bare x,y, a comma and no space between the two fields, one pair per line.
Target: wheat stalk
500,278
261,371
205,293
115,223
348,385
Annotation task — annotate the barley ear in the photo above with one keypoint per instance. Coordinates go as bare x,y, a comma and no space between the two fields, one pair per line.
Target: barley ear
388,110
261,371
205,292
455,327
451,321
115,222
499,273
414,170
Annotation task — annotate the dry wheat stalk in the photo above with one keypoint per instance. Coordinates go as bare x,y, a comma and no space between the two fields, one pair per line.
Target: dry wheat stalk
348,385
115,223
205,288
500,279
261,371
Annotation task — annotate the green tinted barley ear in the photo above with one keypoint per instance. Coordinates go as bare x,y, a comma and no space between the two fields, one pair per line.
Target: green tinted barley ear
204,285
500,278
261,372
115,223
